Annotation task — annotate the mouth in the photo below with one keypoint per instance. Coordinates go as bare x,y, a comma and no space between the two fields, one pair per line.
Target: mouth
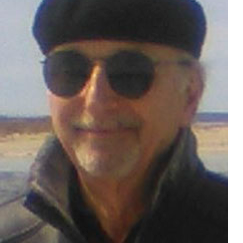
100,131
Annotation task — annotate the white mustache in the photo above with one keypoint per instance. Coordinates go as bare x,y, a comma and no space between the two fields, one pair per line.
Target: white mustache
114,123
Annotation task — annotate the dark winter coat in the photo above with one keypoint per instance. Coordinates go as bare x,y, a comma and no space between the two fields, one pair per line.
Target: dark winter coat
189,203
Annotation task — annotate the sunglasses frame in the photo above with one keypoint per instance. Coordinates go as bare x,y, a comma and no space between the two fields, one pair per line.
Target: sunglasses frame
123,87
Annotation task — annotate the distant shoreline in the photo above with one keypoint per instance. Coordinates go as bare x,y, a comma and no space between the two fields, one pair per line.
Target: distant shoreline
218,117
41,124
199,117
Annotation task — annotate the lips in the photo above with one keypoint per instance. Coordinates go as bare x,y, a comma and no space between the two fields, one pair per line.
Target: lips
94,130
99,130
105,126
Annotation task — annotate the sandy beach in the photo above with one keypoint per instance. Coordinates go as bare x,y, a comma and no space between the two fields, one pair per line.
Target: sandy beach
212,138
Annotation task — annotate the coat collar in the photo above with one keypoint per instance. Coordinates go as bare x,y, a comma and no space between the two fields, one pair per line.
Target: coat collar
50,176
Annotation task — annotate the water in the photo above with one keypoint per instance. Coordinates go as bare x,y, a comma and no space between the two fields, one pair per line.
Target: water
214,161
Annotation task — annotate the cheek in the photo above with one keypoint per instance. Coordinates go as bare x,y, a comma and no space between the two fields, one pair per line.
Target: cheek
61,111
161,112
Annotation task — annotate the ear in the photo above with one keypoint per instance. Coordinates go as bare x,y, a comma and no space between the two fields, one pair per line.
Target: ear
193,94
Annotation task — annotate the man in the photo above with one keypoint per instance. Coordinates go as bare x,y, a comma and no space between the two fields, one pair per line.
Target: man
124,82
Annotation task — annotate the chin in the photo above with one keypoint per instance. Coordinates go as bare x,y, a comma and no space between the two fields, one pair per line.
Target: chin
110,165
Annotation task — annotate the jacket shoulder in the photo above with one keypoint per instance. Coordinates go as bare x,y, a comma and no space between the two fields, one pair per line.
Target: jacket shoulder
15,221
18,224
211,196
208,208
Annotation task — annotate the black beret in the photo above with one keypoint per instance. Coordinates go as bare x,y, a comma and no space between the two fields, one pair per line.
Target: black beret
177,23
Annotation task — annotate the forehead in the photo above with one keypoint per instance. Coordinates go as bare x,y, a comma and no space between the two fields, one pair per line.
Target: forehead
104,48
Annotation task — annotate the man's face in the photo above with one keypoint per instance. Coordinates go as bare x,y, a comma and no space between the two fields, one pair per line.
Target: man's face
108,135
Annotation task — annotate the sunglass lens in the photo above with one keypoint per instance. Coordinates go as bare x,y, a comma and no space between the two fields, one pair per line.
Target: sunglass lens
130,73
66,72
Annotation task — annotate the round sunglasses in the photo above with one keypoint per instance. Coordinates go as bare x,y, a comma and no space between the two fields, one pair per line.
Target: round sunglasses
129,73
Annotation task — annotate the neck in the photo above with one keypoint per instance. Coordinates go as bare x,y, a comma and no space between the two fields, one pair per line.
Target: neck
118,204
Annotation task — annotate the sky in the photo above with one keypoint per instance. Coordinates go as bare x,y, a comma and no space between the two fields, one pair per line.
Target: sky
22,90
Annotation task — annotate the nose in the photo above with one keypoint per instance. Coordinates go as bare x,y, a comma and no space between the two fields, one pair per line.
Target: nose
97,93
